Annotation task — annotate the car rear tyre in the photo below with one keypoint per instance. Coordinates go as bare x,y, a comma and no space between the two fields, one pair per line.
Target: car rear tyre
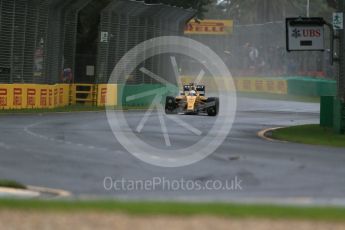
170,105
213,110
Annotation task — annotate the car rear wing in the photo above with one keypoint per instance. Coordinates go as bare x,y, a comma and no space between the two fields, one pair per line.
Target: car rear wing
199,88
186,88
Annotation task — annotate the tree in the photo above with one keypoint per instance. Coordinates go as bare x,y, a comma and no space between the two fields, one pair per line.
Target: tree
199,5
332,3
261,11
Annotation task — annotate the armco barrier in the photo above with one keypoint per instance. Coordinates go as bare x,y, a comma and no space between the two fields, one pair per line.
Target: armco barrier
33,96
85,94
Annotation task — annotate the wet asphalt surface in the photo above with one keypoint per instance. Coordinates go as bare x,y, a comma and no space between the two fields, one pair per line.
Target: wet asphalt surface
79,153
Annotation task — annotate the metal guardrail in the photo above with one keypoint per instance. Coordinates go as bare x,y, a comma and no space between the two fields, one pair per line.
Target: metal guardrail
85,94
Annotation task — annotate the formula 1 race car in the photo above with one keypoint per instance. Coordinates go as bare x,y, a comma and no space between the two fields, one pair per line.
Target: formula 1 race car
192,101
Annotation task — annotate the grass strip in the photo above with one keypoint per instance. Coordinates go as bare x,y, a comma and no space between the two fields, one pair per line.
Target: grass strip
11,184
310,134
181,209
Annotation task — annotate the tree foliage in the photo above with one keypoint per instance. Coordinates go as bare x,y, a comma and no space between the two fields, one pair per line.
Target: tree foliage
199,5
261,11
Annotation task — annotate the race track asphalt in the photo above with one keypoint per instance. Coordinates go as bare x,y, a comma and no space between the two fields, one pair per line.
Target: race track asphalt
77,151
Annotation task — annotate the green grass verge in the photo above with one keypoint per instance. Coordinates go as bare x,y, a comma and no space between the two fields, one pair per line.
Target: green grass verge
310,134
281,97
181,209
11,184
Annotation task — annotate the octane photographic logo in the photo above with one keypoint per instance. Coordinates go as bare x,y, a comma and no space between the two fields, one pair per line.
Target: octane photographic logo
208,142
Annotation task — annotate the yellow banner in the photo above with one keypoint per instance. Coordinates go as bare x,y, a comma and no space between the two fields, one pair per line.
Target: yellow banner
31,96
263,85
36,96
210,83
248,84
210,27
107,95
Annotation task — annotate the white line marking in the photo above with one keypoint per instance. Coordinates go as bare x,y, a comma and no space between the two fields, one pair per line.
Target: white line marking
185,125
155,157
28,131
163,126
5,146
145,118
172,160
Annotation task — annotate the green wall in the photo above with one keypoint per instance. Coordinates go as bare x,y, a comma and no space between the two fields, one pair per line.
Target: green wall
137,95
304,86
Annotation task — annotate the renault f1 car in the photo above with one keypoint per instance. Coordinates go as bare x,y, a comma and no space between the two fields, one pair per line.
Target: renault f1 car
192,101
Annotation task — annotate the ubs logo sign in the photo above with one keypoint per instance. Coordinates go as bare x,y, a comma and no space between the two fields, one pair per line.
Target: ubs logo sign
296,33
306,33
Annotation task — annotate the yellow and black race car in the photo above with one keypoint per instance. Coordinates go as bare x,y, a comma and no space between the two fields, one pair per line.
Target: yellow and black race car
192,101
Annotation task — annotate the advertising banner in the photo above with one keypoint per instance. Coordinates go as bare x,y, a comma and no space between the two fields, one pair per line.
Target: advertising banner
107,95
209,27
31,96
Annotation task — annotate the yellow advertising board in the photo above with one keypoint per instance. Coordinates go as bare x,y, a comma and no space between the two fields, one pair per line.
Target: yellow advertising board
210,83
31,96
247,84
209,27
107,95
262,85
36,96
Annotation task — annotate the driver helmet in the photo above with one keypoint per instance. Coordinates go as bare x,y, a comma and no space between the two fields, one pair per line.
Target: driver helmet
192,93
